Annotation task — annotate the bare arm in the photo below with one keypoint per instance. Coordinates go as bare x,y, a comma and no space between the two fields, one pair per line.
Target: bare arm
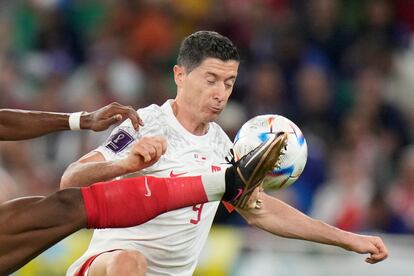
280,219
23,124
93,168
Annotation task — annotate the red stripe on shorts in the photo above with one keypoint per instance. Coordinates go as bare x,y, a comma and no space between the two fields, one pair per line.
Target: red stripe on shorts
87,264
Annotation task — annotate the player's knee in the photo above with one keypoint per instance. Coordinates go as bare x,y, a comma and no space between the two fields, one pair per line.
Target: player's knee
127,263
69,201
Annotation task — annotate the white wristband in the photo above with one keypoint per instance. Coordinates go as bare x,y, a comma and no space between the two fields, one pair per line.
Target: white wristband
74,120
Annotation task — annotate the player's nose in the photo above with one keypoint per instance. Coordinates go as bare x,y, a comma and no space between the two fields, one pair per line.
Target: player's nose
220,93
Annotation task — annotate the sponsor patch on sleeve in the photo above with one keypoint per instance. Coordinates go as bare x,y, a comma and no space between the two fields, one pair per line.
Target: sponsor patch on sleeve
119,141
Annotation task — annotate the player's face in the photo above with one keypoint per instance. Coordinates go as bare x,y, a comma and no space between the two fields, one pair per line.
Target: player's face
205,90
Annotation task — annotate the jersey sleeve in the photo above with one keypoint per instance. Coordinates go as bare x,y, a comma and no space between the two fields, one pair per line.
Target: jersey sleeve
122,138
119,142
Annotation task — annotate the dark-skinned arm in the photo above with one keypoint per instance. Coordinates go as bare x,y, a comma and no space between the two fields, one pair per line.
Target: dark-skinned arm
24,124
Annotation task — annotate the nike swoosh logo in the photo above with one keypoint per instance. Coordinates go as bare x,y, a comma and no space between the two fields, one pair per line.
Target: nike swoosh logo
240,191
148,193
172,174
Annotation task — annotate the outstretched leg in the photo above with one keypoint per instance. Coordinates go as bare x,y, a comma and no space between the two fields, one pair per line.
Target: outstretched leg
30,225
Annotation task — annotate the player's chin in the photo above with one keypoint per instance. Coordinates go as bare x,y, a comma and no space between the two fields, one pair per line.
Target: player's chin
212,116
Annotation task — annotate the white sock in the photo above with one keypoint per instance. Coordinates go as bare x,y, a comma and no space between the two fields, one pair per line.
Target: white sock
214,185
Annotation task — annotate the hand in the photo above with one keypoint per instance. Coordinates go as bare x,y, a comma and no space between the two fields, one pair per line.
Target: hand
108,115
369,244
144,153
254,201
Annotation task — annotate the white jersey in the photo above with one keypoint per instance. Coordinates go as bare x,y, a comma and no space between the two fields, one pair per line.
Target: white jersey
172,241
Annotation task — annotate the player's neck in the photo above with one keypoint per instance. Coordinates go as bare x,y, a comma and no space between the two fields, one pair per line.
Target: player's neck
188,121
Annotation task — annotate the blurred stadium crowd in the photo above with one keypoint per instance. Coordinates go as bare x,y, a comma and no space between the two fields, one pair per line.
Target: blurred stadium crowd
342,70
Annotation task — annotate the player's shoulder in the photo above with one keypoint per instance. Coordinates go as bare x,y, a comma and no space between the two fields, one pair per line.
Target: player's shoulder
151,113
150,109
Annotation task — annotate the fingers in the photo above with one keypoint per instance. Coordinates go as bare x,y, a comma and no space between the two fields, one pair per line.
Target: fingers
115,113
375,258
382,253
379,251
254,201
150,148
127,112
113,120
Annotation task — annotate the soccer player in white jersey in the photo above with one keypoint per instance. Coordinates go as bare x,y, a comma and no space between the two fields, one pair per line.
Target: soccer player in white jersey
24,231
171,243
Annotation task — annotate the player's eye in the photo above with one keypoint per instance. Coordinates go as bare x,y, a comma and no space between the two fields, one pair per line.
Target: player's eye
211,82
228,85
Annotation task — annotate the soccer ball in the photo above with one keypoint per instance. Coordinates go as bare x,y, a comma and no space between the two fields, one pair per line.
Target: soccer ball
257,130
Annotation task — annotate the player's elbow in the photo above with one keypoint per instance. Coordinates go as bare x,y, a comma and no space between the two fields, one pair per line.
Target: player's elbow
67,179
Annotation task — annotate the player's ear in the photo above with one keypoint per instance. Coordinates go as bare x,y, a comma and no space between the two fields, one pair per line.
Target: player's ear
179,73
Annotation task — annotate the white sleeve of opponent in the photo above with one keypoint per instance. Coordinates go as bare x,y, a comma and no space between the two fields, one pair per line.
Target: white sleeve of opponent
119,143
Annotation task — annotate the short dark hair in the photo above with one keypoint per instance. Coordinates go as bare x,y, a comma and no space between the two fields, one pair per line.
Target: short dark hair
205,44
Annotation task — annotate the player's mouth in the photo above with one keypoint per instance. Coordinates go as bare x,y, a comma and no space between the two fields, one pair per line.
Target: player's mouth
215,109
